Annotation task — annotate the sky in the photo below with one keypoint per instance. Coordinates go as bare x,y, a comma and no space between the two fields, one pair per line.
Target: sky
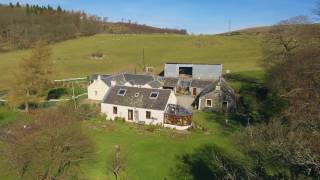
196,16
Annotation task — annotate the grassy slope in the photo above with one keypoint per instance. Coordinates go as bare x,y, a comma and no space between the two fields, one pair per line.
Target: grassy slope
124,52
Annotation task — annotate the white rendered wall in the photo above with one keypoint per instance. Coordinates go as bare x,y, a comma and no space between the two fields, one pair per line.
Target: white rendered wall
97,90
157,116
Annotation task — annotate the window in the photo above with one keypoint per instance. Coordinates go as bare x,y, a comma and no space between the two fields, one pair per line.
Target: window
209,102
115,110
130,114
96,93
136,95
122,92
154,95
148,115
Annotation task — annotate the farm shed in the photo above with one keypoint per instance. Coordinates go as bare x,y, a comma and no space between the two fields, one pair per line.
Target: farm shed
193,71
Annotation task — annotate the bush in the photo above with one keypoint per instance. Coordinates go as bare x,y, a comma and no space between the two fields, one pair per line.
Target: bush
56,93
86,111
120,119
151,128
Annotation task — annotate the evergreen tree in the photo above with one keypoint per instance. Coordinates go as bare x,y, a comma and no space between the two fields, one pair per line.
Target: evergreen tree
59,9
32,78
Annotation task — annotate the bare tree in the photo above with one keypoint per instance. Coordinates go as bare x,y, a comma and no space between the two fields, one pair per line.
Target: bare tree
51,146
292,139
117,162
287,37
296,21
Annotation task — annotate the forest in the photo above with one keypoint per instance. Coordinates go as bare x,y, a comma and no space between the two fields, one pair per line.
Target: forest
23,25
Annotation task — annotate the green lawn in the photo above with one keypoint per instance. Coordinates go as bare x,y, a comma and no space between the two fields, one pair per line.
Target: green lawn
7,117
147,155
152,155
124,53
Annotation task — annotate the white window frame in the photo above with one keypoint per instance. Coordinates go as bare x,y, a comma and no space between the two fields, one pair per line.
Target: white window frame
207,102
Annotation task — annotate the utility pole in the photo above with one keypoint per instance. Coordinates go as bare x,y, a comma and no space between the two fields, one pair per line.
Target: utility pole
73,96
229,27
143,62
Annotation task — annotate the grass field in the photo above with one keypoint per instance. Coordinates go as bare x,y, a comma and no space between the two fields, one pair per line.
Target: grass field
147,154
152,155
124,53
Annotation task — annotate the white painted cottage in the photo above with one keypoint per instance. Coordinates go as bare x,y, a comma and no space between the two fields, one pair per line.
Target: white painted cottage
139,105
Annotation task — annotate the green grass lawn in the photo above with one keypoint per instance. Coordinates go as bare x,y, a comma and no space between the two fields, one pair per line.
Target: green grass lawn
152,155
7,117
124,53
146,154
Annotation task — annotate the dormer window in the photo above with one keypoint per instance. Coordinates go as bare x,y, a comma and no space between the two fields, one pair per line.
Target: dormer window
136,95
122,92
154,95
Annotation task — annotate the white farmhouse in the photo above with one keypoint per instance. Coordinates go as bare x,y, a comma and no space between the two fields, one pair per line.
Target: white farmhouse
146,106
140,105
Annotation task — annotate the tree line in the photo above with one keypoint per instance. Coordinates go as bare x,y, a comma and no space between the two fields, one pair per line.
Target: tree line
23,25
281,115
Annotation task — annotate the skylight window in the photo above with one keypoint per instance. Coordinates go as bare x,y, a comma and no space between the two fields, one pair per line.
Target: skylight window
122,92
136,95
154,95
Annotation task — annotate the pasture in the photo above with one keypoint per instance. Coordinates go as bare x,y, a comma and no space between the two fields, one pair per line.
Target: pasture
124,53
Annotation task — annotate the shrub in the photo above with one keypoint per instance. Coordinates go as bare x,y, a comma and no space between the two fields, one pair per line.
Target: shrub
120,119
56,93
86,111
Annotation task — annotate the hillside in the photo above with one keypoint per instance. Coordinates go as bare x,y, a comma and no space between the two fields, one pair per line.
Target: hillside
266,29
124,53
22,25
134,28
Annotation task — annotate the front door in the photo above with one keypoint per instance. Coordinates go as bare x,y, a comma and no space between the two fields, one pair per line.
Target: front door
194,91
136,115
130,114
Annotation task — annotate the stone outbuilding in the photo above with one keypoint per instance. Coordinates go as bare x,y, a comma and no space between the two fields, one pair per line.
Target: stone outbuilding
217,97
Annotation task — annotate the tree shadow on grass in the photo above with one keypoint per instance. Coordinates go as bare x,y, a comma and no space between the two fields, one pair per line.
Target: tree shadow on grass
209,162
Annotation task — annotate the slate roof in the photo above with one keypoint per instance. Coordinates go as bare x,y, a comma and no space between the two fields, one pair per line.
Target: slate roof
155,84
122,78
200,83
119,79
170,82
138,97
224,87
136,79
95,76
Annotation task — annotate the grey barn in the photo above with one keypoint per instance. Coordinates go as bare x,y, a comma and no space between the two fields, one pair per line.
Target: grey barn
193,71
